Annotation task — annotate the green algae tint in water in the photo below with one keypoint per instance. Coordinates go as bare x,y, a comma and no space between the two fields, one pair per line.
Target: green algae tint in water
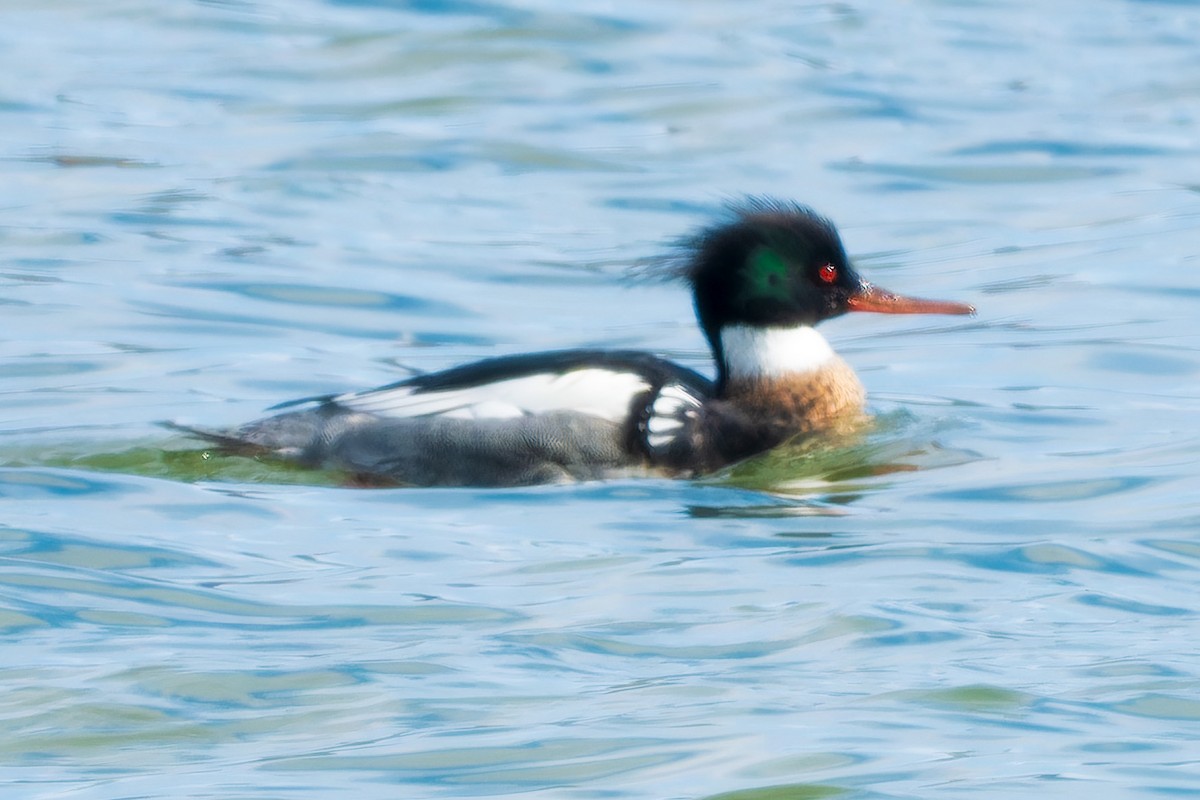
159,459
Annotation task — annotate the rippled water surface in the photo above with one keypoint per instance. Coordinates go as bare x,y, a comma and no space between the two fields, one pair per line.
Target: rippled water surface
211,207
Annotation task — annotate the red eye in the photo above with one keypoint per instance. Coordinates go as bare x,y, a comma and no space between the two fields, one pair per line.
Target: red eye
828,273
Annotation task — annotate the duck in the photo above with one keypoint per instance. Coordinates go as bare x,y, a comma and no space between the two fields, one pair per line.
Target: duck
762,278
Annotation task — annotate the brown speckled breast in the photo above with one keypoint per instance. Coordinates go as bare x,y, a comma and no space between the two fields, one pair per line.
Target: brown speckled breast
828,398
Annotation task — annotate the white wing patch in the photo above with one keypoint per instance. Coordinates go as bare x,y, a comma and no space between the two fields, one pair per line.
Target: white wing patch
596,391
672,408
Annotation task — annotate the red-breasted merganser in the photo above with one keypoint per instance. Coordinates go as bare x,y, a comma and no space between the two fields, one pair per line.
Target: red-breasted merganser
761,280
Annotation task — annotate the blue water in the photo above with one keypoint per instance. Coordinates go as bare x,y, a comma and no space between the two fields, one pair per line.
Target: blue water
211,207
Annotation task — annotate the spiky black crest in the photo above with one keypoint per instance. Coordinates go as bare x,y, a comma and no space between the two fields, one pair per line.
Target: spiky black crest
764,263
747,215
762,266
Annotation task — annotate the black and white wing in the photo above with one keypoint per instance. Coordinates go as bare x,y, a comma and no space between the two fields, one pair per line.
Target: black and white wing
513,420
593,390
617,386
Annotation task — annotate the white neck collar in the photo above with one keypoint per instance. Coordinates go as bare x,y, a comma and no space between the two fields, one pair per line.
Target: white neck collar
755,353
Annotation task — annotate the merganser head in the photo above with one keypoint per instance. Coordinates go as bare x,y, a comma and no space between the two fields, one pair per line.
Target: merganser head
781,266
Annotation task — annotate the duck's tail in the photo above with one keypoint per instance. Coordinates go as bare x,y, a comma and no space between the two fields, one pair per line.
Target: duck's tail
227,442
